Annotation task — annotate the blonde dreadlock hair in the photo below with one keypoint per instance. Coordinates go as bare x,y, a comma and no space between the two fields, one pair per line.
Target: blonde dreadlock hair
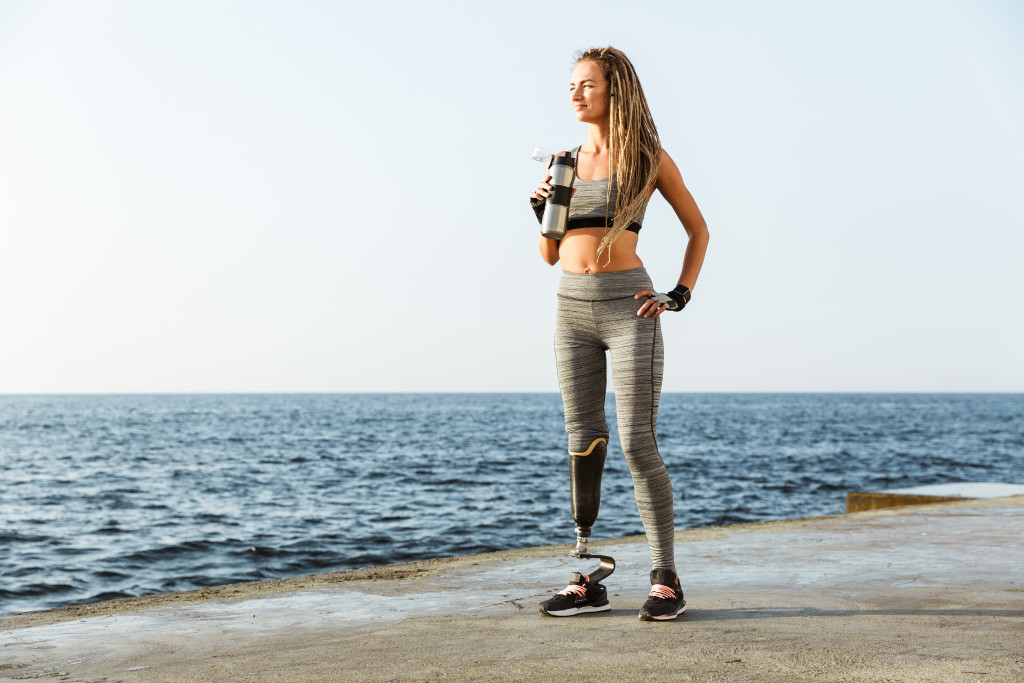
634,152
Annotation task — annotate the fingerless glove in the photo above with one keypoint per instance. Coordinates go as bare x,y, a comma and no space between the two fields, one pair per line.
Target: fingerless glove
675,300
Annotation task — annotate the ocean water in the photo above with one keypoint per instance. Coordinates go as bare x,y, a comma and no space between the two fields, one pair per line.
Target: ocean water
114,496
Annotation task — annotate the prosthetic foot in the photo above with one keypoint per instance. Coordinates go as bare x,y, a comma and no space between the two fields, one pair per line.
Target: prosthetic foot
585,470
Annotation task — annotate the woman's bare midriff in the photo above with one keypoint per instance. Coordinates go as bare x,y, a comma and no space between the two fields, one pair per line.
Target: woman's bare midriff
577,252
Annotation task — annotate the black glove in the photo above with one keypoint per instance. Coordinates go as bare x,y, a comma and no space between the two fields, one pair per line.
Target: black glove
675,300
538,208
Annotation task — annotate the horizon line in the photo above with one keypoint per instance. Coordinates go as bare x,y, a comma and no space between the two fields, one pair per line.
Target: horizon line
455,392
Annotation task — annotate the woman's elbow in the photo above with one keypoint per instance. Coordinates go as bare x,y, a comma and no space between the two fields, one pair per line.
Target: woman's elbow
548,250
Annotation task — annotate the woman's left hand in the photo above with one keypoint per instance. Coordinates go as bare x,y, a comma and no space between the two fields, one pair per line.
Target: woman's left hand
651,307
657,304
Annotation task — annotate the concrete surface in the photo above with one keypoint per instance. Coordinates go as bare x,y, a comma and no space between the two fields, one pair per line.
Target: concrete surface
860,501
857,501
930,593
964,489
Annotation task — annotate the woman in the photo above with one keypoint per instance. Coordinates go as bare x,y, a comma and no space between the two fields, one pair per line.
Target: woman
602,282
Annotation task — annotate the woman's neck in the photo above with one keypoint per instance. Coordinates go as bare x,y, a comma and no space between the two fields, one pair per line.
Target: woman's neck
598,137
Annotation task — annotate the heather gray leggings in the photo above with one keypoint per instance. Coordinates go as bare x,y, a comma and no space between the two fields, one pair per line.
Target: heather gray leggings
597,313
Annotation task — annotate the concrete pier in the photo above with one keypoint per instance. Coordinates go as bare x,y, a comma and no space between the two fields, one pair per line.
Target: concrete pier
859,501
929,592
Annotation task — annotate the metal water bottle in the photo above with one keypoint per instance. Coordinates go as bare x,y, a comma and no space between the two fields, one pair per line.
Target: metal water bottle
556,210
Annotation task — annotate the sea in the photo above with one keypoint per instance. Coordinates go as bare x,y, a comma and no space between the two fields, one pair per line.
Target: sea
107,496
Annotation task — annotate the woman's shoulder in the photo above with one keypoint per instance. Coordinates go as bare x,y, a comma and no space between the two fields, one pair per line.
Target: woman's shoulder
666,164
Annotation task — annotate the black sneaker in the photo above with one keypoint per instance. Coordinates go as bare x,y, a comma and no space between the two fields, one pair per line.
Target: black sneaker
579,597
666,598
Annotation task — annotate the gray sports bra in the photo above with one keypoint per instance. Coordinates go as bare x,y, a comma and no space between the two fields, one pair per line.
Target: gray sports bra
589,207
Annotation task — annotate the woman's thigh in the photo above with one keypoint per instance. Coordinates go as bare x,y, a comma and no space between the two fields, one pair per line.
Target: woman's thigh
638,360
582,374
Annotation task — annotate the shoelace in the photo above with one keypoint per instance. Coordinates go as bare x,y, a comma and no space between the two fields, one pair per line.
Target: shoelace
661,591
574,589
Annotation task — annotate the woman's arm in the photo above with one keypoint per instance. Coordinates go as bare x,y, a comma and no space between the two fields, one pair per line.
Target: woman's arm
670,184
548,247
548,250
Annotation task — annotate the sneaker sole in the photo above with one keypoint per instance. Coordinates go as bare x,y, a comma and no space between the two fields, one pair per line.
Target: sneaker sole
572,611
667,617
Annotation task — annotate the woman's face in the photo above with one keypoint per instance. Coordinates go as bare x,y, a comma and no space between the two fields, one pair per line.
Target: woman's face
588,91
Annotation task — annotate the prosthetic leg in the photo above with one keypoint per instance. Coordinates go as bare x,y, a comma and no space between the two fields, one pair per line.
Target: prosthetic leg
585,470
584,594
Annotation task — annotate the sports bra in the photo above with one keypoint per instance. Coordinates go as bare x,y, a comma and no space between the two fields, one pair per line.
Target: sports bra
588,207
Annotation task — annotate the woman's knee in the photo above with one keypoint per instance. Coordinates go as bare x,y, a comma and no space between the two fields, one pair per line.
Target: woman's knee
638,441
582,439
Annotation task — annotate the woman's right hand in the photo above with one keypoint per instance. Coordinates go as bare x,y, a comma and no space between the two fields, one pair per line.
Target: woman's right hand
544,191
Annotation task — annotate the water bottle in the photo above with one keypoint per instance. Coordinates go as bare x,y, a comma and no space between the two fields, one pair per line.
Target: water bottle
562,169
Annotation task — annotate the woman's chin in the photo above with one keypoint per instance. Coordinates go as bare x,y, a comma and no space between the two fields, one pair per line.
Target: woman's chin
587,116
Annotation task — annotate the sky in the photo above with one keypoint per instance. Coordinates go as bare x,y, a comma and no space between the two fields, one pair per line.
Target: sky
213,196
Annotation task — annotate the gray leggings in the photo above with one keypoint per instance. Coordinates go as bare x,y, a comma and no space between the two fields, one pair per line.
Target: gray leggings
597,313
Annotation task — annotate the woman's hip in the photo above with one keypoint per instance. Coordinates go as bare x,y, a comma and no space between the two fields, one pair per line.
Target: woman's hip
620,284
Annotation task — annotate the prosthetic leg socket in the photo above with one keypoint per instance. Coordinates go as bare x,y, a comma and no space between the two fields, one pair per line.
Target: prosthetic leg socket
585,470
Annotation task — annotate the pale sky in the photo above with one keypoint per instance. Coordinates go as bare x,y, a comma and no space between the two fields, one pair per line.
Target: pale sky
204,196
